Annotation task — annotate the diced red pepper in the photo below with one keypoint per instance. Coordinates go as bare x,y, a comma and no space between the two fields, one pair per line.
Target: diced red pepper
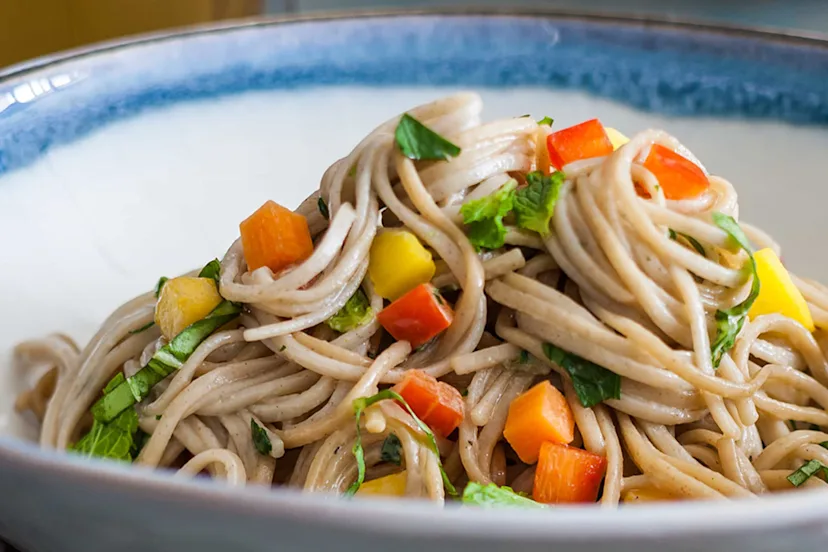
678,177
567,475
437,404
582,141
417,316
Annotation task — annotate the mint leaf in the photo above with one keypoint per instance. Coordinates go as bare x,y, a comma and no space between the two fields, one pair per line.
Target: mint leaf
491,495
804,473
355,313
211,270
729,322
260,439
548,121
484,217
418,142
593,383
391,450
323,207
535,203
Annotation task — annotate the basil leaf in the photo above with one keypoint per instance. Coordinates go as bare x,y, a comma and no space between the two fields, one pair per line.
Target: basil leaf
164,362
548,121
161,281
804,473
114,440
260,438
694,243
143,328
359,453
484,217
418,142
535,203
211,270
593,383
323,208
391,450
729,322
491,495
356,312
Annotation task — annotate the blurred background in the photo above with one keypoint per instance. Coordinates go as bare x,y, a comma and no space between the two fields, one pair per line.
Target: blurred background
31,28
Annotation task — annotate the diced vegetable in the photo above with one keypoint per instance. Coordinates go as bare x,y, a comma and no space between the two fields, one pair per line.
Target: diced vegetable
418,316
492,496
567,475
644,495
582,141
389,485
437,404
616,138
803,474
592,383
183,301
356,312
679,177
484,217
275,237
535,203
114,440
211,270
398,263
539,415
418,142
546,121
778,294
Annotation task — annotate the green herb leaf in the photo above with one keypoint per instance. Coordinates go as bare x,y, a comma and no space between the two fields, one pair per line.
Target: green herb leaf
824,444
491,495
323,208
484,217
114,440
729,322
418,142
694,243
535,203
359,453
143,328
211,270
260,439
164,362
523,357
804,473
356,312
548,121
593,383
161,281
391,450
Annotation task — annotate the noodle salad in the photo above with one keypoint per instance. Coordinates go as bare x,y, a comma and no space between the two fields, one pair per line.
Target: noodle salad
502,314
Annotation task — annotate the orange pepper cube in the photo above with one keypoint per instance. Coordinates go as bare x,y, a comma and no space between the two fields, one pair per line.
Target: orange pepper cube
539,415
582,141
417,316
678,177
437,404
275,237
567,475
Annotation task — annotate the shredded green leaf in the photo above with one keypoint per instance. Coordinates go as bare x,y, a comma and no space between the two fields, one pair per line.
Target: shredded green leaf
359,453
323,208
114,440
593,383
488,496
694,243
211,270
804,473
535,203
391,450
260,438
143,328
548,121
356,312
418,142
484,217
729,322
161,281
523,357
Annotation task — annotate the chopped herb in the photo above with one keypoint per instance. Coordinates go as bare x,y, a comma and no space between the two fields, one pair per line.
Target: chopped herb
804,473
729,322
814,427
391,450
359,454
282,348
824,444
323,208
484,217
523,357
418,142
161,281
487,496
548,121
158,416
356,312
464,392
690,239
525,115
143,328
260,439
593,383
535,203
372,355
352,173
140,440
211,270
657,187
114,439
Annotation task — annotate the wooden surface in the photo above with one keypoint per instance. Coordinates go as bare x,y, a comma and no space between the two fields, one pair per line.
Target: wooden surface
31,28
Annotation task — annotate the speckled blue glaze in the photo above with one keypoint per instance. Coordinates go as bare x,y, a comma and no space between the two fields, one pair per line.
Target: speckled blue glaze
671,69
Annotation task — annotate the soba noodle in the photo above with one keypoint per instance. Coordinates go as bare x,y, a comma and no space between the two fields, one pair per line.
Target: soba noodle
615,282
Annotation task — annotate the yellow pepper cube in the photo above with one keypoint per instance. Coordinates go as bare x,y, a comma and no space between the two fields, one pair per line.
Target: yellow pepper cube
777,292
616,138
398,263
183,301
389,485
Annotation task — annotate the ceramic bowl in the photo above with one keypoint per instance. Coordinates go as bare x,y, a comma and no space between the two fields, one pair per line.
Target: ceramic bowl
130,160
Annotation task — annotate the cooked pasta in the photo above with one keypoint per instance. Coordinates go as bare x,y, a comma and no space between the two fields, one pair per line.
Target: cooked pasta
504,311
